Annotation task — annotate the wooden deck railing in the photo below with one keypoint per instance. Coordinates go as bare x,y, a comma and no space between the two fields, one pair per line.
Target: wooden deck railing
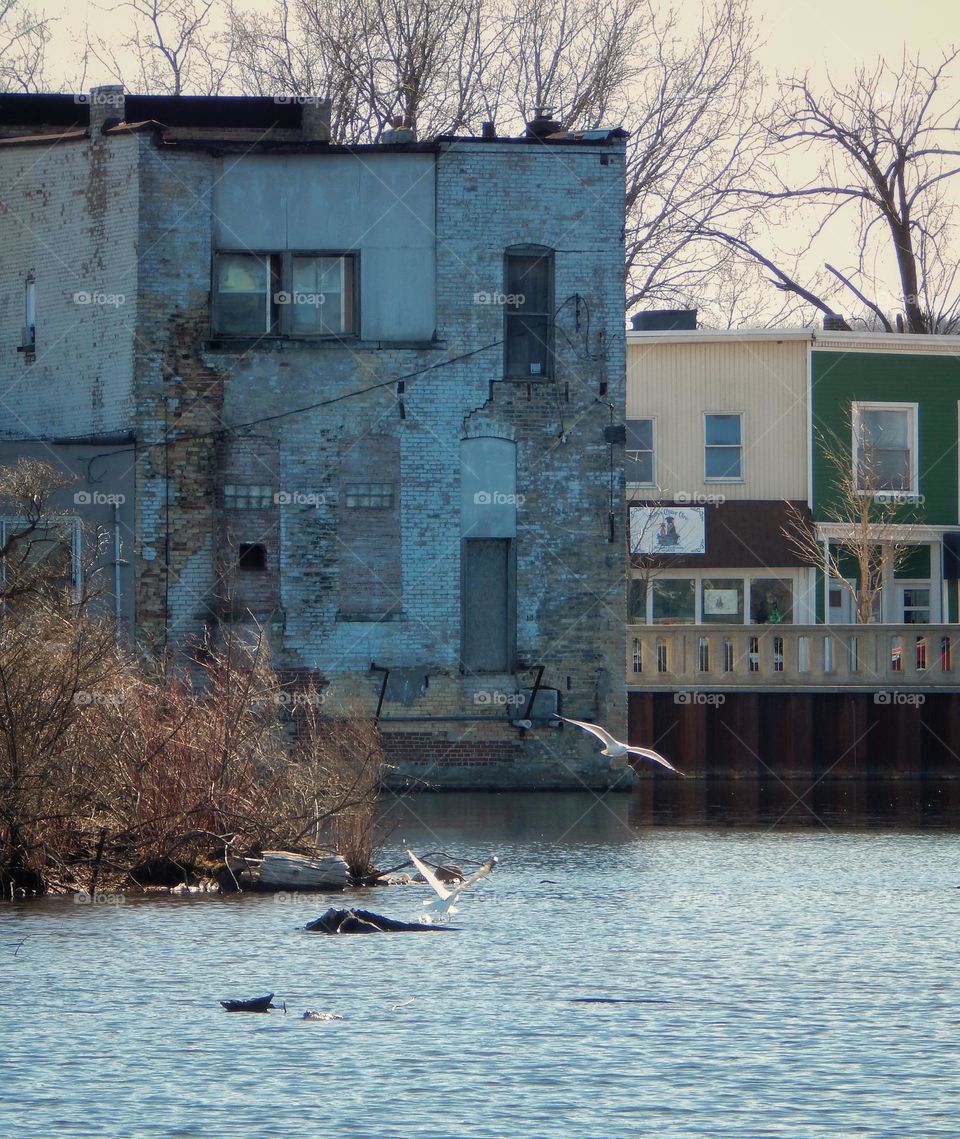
895,657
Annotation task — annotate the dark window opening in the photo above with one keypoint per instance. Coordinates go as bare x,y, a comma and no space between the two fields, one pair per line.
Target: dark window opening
253,557
528,316
285,294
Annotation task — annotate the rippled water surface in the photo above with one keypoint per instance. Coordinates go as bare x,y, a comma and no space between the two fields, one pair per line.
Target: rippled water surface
797,979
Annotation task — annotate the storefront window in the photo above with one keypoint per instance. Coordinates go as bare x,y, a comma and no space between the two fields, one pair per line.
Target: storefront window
771,601
674,601
722,600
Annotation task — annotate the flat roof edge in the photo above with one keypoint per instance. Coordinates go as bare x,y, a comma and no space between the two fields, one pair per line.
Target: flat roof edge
844,341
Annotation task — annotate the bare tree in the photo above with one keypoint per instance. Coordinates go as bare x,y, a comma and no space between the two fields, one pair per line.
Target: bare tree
868,526
24,35
888,148
172,47
693,112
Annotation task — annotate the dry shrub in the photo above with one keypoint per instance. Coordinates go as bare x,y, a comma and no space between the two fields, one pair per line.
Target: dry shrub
108,763
335,781
51,665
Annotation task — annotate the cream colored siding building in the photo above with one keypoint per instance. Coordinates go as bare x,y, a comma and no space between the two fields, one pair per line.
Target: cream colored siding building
678,378
718,428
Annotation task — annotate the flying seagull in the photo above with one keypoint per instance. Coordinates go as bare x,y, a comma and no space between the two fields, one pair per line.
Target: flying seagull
448,895
617,750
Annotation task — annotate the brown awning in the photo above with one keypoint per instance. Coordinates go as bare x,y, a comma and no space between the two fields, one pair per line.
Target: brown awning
741,534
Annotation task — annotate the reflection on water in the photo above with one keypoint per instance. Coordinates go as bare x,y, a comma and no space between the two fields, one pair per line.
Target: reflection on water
892,804
771,802
686,960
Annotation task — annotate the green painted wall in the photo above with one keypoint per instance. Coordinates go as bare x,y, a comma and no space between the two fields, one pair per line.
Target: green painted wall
932,382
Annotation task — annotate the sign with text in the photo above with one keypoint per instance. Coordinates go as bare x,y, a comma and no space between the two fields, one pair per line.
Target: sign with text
667,530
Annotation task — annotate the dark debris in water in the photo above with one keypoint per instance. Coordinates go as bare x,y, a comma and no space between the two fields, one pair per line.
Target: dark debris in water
616,1001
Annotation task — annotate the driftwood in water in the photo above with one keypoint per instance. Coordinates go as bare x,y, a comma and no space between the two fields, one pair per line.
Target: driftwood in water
363,921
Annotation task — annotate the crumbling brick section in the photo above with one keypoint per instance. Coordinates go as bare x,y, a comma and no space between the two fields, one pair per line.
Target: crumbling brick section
175,591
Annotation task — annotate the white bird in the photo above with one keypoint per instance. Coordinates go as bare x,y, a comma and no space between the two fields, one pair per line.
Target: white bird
448,895
617,750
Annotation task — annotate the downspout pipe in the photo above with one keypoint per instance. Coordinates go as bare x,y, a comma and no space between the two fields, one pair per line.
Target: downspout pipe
117,608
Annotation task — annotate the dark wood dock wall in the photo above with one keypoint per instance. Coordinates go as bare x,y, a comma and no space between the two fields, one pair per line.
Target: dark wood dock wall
745,735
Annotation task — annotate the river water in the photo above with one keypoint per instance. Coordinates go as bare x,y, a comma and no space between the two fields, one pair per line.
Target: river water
654,963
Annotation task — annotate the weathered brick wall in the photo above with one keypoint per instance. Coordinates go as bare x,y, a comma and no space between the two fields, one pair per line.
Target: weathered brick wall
244,461
179,400
69,218
570,577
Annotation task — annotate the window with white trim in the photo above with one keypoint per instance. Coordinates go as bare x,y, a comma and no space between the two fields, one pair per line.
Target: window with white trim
704,598
723,447
289,294
638,461
885,448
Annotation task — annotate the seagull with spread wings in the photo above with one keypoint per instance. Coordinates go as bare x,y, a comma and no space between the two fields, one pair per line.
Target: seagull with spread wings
448,894
617,750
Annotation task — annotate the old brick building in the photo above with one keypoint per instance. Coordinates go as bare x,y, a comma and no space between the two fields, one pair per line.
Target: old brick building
367,390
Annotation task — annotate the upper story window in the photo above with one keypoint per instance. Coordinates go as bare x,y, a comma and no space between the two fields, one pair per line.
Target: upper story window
528,313
285,294
639,451
723,449
885,448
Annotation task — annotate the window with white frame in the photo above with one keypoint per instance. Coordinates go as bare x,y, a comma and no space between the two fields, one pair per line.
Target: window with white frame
289,294
639,462
885,448
706,599
723,447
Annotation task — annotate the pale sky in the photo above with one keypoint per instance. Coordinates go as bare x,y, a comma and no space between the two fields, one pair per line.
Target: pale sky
840,34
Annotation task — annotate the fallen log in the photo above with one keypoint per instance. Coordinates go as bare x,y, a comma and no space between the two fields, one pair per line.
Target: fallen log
256,1004
363,921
